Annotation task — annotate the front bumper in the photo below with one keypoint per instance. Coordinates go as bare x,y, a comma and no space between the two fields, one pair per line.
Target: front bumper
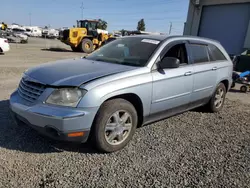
6,48
67,42
53,121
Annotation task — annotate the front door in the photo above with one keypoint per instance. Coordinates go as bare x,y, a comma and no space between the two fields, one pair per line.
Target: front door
172,87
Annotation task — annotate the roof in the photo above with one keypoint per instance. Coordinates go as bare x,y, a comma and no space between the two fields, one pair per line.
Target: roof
154,37
165,37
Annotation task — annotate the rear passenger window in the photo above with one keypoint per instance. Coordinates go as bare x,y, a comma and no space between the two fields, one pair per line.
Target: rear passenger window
215,54
199,53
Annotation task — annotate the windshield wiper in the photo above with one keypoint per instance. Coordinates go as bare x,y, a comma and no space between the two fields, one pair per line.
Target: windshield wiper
130,64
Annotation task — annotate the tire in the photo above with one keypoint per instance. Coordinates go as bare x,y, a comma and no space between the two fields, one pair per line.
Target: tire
243,89
83,46
212,104
233,85
106,139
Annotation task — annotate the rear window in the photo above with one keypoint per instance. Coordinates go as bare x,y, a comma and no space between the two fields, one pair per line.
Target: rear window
215,53
199,53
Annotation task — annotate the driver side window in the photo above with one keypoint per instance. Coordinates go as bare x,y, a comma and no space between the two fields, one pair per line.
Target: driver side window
178,51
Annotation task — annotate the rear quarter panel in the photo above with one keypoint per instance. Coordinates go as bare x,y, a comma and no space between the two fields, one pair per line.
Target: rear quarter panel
225,68
224,72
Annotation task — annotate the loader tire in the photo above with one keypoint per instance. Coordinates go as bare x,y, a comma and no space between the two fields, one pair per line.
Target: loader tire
86,46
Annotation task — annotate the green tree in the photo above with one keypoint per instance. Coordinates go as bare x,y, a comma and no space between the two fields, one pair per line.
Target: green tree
102,24
123,32
141,25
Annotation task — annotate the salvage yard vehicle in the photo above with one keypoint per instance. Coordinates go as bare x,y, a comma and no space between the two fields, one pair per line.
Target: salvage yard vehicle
4,45
129,82
86,37
17,35
243,79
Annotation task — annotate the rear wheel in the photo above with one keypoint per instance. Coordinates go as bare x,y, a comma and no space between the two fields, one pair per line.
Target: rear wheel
217,101
114,125
243,89
233,85
86,46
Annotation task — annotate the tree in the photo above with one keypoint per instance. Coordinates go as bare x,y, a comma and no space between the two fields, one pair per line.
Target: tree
102,24
141,25
124,32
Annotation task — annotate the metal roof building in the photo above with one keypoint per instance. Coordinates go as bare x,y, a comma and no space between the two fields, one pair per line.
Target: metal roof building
227,21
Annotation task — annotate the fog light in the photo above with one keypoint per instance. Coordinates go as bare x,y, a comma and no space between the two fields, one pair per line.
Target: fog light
76,134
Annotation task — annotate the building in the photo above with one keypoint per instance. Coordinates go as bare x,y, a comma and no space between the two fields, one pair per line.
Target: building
227,21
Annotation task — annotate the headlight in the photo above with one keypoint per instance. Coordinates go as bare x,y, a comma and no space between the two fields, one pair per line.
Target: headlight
66,97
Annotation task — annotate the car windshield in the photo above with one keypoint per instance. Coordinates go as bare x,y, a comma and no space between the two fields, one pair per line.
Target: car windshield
130,51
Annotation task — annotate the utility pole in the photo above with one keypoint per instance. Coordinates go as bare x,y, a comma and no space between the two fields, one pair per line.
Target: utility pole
82,10
30,18
170,28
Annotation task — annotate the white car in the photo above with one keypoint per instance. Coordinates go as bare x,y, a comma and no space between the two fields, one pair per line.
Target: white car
4,45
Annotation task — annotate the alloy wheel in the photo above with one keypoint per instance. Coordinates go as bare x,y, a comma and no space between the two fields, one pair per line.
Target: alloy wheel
118,127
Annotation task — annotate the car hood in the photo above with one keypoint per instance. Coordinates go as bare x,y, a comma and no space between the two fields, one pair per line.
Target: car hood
73,72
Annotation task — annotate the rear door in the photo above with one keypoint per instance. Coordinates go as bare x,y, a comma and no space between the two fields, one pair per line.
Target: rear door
205,75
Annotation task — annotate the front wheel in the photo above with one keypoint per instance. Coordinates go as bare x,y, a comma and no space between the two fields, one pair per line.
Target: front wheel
86,46
114,125
217,101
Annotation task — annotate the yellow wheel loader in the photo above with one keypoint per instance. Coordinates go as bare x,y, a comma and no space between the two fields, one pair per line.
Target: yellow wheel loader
86,37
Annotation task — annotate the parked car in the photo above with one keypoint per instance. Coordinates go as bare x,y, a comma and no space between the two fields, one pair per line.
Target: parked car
50,33
129,82
17,35
4,45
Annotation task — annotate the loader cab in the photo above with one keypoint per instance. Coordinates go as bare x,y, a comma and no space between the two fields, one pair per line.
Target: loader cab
90,25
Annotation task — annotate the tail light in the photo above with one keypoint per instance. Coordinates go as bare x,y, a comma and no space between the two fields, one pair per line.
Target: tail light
6,41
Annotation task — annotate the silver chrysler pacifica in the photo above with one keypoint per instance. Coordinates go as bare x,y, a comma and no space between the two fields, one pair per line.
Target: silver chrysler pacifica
129,82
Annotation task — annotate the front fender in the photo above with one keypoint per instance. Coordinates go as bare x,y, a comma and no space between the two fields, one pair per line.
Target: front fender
140,85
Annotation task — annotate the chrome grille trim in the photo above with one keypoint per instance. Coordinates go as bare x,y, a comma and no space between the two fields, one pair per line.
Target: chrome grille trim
30,91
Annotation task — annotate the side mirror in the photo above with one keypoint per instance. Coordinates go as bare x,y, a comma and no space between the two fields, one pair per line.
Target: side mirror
169,62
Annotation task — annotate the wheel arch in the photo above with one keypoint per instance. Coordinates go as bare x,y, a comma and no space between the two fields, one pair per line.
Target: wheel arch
226,83
87,37
135,100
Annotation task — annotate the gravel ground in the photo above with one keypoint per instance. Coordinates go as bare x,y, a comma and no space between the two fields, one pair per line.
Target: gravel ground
194,149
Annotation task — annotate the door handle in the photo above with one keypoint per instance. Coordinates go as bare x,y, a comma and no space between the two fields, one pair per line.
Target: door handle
214,68
188,73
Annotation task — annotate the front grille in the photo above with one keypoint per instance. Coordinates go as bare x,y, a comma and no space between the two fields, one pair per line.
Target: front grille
65,34
30,91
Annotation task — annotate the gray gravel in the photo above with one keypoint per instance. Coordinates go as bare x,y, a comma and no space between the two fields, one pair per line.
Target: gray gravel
194,149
